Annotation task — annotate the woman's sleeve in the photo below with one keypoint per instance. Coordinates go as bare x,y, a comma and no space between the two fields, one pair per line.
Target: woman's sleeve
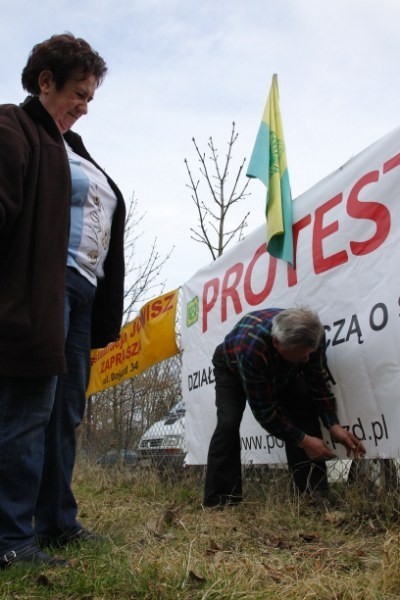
14,156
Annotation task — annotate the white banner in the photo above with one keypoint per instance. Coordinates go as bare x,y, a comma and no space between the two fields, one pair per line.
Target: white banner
347,239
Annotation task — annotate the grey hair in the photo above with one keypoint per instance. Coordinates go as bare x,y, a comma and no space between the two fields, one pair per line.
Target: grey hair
297,327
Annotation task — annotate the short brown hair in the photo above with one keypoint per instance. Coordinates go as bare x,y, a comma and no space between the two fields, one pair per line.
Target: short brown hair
63,55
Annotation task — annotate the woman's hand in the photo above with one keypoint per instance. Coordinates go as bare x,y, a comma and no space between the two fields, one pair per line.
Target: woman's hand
354,447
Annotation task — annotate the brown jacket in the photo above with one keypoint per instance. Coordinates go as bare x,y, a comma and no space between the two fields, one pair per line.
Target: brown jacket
35,189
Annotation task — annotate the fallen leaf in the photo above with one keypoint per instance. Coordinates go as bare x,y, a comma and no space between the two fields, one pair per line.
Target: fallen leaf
44,581
309,537
334,516
213,548
196,578
155,527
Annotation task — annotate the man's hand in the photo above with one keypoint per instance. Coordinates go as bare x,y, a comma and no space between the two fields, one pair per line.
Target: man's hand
354,447
316,449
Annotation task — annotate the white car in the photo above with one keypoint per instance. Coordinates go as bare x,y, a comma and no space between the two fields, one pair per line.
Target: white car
163,444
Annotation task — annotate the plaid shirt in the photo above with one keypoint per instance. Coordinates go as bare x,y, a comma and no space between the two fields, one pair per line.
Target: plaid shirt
249,353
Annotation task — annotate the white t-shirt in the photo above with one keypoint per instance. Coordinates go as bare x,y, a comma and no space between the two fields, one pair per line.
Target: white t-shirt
92,207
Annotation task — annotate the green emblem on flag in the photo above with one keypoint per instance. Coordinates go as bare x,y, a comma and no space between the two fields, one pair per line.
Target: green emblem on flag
277,149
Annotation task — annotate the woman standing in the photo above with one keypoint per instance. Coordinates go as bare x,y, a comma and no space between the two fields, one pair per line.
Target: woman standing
61,293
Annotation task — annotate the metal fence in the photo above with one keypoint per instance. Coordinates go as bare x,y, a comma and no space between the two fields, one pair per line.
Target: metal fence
141,422
117,418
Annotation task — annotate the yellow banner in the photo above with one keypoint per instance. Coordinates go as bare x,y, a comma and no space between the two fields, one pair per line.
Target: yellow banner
147,340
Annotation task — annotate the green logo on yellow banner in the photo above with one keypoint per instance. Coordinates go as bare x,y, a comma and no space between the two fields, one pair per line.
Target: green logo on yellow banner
192,312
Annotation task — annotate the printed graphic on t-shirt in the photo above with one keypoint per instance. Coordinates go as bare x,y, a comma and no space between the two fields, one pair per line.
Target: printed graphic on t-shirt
99,228
92,206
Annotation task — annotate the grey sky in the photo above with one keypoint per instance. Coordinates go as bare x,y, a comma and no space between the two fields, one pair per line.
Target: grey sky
180,68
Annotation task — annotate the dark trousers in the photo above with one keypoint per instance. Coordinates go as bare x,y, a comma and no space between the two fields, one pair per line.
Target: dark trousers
223,482
56,508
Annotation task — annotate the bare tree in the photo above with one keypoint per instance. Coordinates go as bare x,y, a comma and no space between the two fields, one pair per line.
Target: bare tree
118,416
142,280
211,229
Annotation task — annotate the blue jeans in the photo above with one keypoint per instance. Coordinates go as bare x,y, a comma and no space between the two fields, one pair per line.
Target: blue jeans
38,419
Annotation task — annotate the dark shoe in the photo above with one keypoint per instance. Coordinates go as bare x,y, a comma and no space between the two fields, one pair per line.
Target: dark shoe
318,501
82,535
30,554
322,499
221,501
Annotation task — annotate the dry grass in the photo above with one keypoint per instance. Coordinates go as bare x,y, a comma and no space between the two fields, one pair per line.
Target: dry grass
166,546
